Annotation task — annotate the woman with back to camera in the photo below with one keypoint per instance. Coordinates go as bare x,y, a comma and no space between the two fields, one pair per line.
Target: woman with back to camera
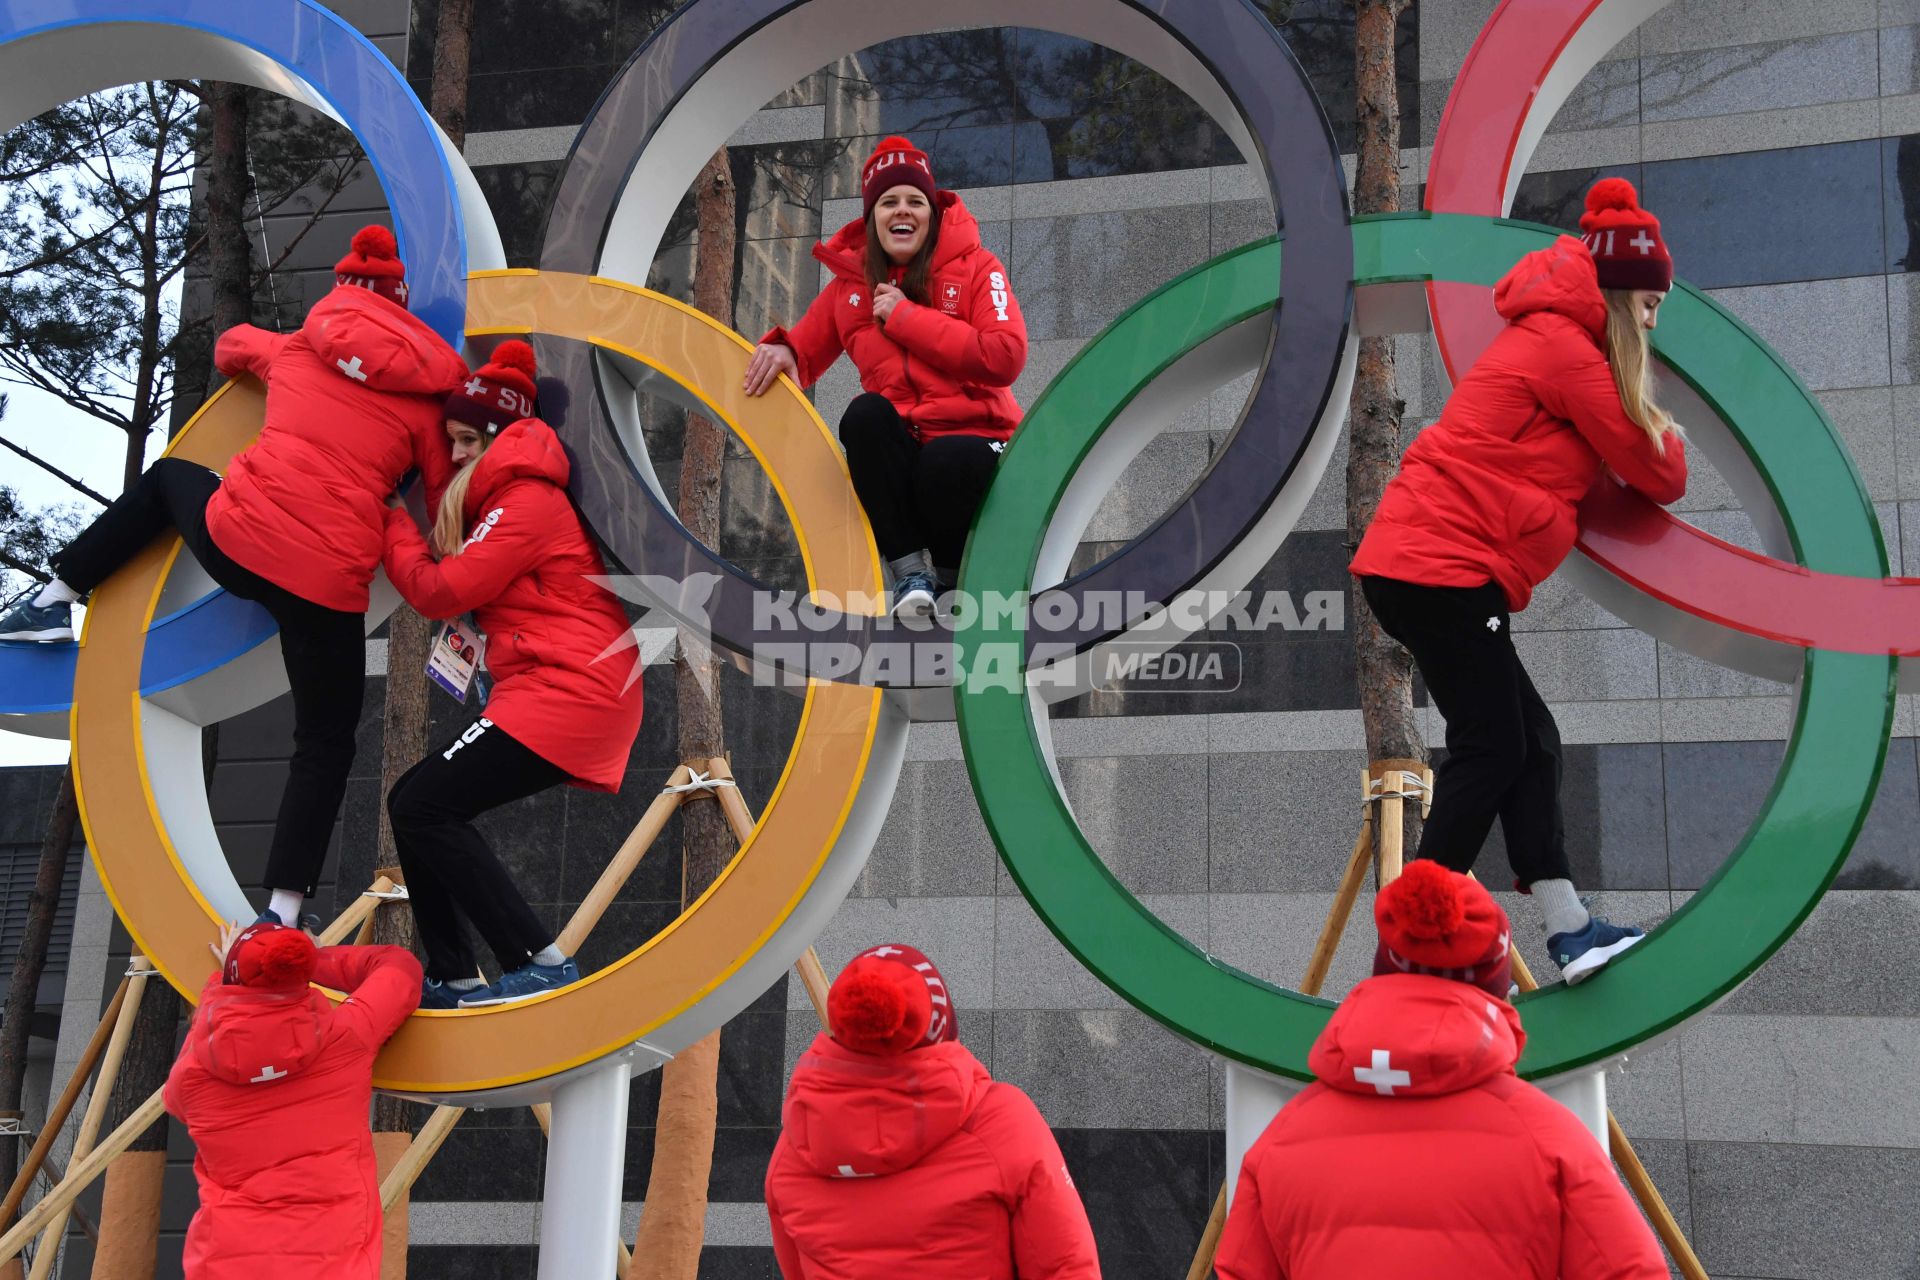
353,404
1485,507
927,314
565,705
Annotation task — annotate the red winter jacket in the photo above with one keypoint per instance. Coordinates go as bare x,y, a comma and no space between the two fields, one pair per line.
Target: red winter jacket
354,400
948,367
1488,492
919,1164
526,577
274,1088
1419,1156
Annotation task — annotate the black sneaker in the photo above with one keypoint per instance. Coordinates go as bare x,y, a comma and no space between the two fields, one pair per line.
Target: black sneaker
39,623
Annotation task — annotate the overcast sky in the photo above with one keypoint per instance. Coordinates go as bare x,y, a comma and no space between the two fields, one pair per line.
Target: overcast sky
81,446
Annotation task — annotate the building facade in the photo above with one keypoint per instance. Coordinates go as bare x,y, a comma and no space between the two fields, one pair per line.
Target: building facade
1779,143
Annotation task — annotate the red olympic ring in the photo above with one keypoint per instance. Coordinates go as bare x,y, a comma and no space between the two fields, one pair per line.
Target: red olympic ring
1514,76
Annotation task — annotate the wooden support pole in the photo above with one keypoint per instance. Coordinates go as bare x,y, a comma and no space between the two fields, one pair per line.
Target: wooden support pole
97,1101
1210,1238
80,1176
813,975
63,1106
407,1169
614,878
356,914
1342,909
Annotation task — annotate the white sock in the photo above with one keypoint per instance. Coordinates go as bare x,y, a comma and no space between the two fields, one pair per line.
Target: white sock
464,984
55,592
1560,907
550,955
286,904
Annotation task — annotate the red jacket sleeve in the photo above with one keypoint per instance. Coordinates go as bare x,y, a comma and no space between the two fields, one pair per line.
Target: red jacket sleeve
1577,385
1246,1250
815,340
247,349
1052,1239
382,986
510,542
987,346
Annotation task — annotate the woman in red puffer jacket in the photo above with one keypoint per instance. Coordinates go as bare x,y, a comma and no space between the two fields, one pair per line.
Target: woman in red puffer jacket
927,314
353,404
900,1156
567,699
1484,508
1417,1154
273,1084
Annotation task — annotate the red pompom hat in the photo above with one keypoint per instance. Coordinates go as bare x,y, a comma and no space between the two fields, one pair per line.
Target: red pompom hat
500,392
271,957
895,163
1444,924
374,263
890,999
1625,239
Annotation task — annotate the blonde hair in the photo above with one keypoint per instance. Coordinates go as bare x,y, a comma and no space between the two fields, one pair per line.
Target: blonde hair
450,526
1628,354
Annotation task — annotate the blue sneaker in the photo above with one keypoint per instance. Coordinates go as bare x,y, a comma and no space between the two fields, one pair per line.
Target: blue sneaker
42,624
913,596
438,995
311,923
1582,954
528,980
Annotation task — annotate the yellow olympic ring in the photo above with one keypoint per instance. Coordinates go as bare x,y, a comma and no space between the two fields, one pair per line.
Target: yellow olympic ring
655,991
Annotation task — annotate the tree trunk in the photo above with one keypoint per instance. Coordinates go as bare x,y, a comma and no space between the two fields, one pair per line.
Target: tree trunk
1384,669
403,732
16,1027
673,1227
452,45
230,257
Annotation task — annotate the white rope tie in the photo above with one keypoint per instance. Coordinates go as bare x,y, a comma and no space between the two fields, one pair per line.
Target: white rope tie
701,782
396,894
1412,786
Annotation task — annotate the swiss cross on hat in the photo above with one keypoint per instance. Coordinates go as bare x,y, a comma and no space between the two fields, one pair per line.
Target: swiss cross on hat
499,393
1624,239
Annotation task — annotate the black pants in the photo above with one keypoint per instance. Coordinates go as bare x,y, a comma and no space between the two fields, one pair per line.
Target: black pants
451,871
916,495
325,652
1503,748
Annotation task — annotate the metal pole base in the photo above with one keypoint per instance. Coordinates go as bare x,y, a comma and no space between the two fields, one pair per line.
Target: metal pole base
586,1156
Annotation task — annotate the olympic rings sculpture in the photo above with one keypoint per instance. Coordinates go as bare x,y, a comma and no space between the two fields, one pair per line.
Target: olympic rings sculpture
1288,316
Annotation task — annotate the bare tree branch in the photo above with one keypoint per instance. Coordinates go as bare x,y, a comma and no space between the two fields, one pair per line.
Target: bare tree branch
72,481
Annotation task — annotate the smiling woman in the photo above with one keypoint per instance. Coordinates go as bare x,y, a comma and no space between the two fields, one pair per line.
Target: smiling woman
928,316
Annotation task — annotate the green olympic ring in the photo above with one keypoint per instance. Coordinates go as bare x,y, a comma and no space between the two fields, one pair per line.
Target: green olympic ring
1759,896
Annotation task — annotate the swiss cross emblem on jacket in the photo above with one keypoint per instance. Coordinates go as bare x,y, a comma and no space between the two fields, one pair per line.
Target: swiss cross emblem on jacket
950,297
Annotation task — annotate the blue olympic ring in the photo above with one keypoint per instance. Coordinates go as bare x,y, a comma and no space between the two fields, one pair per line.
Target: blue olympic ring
298,48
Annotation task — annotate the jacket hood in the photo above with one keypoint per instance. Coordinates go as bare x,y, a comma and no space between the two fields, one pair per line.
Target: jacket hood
851,1114
845,253
381,344
1560,278
1407,1035
527,449
257,1037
